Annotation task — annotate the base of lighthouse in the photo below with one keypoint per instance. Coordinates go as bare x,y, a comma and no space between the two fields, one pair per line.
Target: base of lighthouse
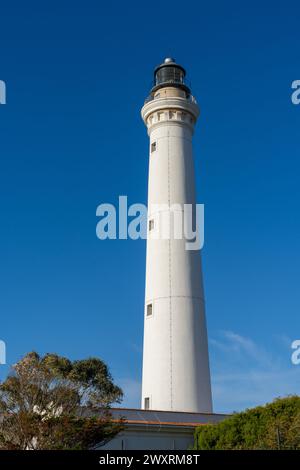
175,372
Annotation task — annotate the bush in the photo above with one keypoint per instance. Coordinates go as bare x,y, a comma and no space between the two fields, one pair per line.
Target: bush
273,426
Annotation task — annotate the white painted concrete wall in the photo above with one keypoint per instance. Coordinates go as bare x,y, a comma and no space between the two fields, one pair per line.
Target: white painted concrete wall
175,358
146,439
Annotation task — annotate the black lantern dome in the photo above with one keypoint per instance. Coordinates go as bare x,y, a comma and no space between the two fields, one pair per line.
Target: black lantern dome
169,74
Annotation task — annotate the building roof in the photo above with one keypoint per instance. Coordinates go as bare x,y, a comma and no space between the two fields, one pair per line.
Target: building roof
165,418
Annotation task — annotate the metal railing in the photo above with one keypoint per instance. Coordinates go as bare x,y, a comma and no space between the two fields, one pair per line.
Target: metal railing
151,97
171,79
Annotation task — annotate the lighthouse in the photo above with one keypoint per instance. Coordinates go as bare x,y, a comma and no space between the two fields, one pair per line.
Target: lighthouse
176,374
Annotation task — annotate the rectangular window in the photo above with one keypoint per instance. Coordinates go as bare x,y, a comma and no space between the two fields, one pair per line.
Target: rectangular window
147,403
153,147
149,310
151,225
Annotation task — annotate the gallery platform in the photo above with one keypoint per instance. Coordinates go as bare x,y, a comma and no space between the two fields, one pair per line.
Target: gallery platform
158,430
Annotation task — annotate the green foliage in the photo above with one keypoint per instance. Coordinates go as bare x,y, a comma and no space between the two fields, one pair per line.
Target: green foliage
51,402
273,426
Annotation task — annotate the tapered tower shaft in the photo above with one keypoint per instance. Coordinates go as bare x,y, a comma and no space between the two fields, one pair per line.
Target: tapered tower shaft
175,357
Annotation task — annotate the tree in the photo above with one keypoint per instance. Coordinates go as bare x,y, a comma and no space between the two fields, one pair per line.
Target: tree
273,426
50,402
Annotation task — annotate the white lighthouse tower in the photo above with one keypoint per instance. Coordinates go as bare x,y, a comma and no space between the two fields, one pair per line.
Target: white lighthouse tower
176,373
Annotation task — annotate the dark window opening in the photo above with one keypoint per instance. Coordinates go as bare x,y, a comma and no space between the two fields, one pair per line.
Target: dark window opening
151,225
149,310
153,147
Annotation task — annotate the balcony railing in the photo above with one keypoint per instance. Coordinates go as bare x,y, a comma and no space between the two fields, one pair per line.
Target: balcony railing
151,97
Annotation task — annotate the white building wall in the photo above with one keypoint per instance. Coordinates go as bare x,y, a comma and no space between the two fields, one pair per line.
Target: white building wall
145,439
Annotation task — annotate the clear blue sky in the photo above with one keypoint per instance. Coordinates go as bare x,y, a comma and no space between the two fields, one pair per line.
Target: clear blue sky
71,137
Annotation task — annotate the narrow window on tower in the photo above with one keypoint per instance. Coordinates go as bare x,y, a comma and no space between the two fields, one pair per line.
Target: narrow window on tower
149,310
153,147
151,225
147,403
